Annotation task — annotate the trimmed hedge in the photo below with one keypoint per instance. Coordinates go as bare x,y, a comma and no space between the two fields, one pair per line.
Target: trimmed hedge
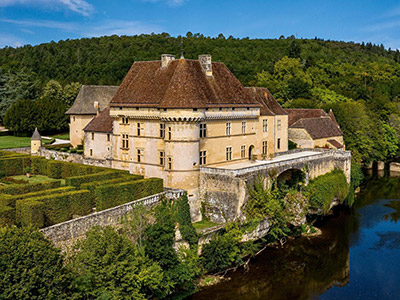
10,200
14,165
56,208
16,189
111,195
78,180
30,213
7,216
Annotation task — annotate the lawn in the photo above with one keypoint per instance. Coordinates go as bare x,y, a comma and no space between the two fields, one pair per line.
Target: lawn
33,178
204,224
62,136
10,141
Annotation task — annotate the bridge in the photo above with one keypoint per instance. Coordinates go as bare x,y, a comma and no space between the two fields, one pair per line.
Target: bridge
223,188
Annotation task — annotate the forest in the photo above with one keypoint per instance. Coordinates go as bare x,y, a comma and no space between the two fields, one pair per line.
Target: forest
360,82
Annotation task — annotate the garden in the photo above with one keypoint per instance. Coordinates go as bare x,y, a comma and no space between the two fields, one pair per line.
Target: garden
38,192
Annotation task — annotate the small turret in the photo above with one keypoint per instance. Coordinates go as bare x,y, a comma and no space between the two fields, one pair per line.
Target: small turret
36,142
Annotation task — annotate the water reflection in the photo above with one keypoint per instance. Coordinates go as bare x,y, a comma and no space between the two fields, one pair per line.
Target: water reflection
357,257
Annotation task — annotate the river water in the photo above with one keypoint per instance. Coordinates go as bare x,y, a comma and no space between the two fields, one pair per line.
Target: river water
356,257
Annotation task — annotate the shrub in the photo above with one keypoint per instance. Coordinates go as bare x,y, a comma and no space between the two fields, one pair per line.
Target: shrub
185,222
30,213
79,151
61,169
7,216
78,180
15,189
325,188
14,165
111,195
39,165
11,199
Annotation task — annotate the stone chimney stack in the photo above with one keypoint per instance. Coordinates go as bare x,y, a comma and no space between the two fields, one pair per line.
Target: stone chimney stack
205,62
96,107
166,59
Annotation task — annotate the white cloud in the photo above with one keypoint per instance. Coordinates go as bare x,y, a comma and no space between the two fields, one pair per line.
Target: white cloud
66,26
81,7
169,2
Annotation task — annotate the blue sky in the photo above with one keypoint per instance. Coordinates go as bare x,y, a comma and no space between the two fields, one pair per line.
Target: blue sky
39,21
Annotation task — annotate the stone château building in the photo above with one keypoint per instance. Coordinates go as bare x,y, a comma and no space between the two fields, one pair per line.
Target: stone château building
169,118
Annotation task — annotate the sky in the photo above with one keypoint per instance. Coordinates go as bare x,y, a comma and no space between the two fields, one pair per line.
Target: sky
40,21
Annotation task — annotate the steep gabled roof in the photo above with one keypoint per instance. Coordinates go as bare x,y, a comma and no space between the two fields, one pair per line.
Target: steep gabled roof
318,128
269,105
181,84
36,135
332,116
101,123
84,102
296,114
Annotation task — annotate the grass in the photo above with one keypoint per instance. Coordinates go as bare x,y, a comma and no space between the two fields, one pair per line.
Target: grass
33,178
204,224
10,141
62,136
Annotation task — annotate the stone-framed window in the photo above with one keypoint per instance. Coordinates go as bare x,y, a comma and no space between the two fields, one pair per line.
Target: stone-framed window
243,127
162,158
125,120
279,125
108,137
243,151
278,144
228,153
92,135
162,130
125,141
265,125
139,129
170,133
203,130
264,147
169,163
228,128
203,158
91,152
140,154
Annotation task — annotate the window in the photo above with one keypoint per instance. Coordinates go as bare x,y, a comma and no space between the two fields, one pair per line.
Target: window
243,151
74,118
228,153
203,130
169,163
140,153
264,147
162,158
243,127
169,133
92,135
279,125
138,129
203,158
108,137
265,125
228,128
162,131
91,152
125,141
125,120
279,144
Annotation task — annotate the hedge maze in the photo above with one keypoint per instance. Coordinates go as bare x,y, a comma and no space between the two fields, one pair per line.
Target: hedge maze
72,190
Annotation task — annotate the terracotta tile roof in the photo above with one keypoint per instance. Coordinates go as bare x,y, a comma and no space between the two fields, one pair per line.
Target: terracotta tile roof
182,84
84,102
296,114
269,105
335,143
318,128
101,123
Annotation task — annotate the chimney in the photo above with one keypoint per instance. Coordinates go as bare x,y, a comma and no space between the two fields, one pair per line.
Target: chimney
96,107
205,62
166,59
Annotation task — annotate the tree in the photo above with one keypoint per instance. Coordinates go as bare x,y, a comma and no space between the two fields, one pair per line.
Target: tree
30,267
21,117
294,49
70,92
109,266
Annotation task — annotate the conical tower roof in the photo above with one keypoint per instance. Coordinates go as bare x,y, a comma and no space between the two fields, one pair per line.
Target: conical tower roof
36,135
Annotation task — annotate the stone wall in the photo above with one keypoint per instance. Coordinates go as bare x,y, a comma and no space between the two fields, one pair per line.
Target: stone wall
223,192
66,233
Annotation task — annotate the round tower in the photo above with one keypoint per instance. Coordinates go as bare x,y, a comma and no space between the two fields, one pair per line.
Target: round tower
36,142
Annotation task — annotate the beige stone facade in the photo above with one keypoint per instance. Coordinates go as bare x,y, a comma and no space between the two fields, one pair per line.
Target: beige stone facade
76,125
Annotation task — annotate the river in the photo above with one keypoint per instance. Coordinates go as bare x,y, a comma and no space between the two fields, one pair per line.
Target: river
356,257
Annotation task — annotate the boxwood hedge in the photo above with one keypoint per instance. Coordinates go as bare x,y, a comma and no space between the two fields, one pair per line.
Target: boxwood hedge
78,180
14,165
110,195
16,189
7,215
30,213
